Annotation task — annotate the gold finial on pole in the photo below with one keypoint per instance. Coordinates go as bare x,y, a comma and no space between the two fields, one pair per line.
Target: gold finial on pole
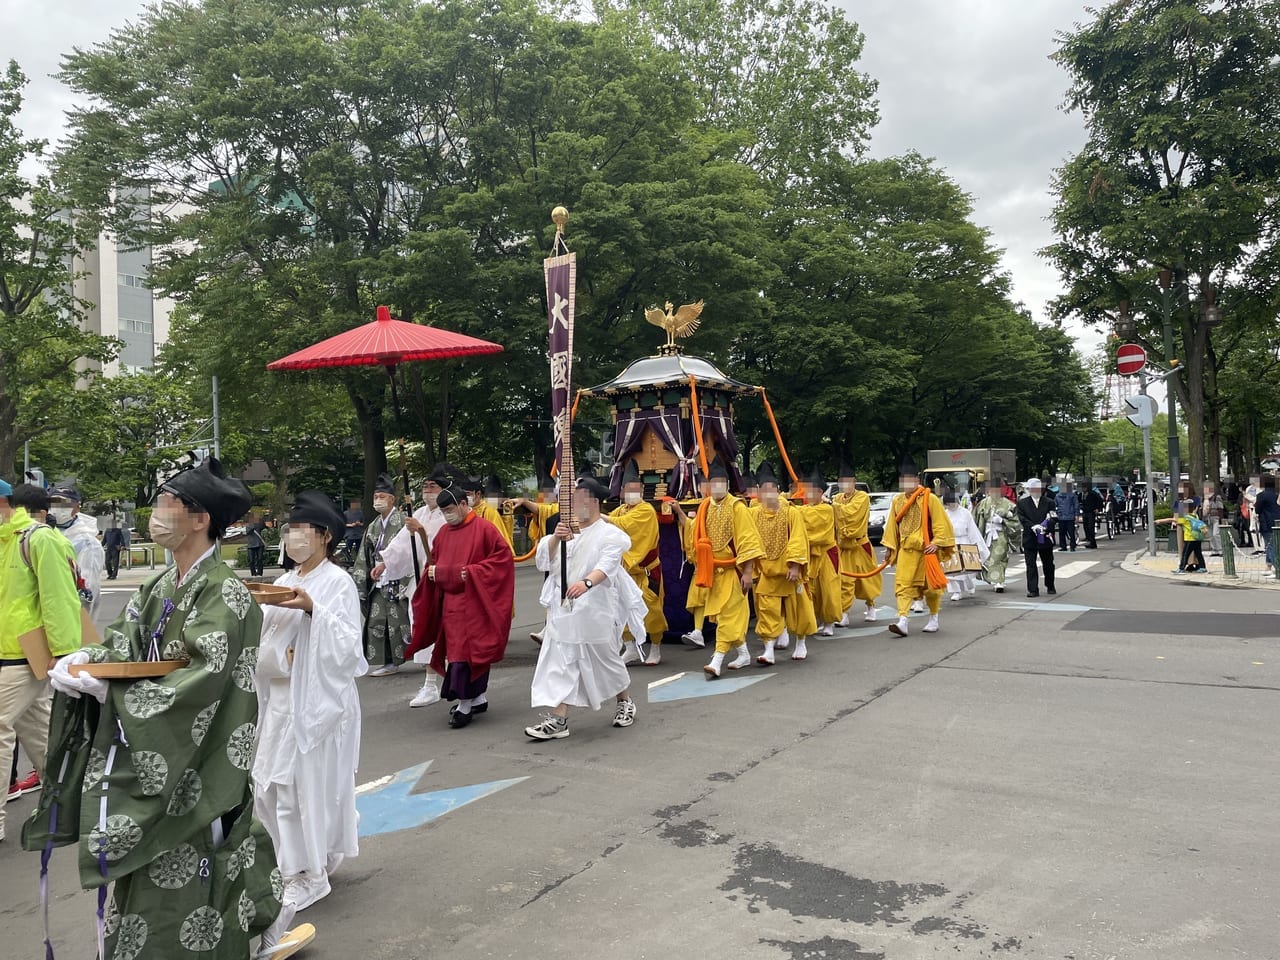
560,216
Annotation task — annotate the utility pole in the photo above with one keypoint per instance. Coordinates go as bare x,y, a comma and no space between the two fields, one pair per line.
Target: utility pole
217,446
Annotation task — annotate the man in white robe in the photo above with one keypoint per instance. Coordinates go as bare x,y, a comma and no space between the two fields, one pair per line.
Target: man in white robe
579,663
397,561
309,710
966,530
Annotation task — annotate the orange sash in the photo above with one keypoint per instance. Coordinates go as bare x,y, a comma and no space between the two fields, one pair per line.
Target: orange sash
704,560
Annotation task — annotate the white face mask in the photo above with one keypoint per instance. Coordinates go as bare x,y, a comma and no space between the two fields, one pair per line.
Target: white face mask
632,497
383,504
300,545
719,488
494,502
454,516
61,515
163,531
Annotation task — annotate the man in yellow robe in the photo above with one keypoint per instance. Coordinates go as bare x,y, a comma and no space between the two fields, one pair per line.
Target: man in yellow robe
480,504
857,555
494,511
917,526
782,602
637,519
726,546
822,578
696,599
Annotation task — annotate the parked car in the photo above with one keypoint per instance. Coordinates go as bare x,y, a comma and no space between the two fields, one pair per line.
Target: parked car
880,504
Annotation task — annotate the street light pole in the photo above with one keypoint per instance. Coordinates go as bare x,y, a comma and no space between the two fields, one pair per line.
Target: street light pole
1166,310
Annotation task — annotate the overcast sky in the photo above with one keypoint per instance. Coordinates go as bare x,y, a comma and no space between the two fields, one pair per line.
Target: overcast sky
967,82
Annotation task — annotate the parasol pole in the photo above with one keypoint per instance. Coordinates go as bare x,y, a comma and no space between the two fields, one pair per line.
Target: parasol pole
406,505
561,271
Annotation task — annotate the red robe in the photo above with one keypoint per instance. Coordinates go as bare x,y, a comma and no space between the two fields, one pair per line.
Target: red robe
469,621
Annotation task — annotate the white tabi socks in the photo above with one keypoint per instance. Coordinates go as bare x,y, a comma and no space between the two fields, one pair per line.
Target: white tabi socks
932,625
870,615
694,638
743,659
843,621
783,641
631,653
766,659
712,669
801,651
899,628
826,630
655,655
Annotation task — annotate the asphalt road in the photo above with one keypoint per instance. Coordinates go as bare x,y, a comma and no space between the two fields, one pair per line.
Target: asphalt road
1088,776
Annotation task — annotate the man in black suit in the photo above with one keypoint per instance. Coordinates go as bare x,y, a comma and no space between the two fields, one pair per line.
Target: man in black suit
1036,513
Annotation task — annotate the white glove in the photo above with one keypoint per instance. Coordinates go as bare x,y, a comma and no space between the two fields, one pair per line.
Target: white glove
61,679
1037,529
1053,515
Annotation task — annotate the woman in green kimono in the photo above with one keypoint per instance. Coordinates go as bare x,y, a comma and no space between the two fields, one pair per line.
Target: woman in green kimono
165,802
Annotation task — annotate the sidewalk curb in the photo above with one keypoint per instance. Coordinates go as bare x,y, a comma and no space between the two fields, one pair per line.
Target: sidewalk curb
1221,582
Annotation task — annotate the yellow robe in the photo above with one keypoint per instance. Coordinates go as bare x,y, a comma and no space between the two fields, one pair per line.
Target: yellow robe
782,603
822,578
488,512
696,600
904,544
857,555
541,514
640,523
733,536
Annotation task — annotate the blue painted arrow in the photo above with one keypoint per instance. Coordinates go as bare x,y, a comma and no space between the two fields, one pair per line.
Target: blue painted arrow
690,685
391,806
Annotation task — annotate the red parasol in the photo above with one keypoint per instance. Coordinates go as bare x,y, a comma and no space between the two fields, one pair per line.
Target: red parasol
385,343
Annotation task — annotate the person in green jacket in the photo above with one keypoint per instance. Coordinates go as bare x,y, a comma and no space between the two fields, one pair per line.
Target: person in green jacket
37,592
166,798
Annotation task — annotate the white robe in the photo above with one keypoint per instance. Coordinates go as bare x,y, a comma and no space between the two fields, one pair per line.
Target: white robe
398,554
966,530
304,772
578,662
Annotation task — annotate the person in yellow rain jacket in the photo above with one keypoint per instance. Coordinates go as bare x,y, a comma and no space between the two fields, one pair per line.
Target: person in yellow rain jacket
782,603
726,546
853,510
638,520
822,577
917,526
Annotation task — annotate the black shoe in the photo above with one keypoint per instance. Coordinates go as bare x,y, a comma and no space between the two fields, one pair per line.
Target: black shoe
475,708
459,720
1091,546
1050,591
1034,593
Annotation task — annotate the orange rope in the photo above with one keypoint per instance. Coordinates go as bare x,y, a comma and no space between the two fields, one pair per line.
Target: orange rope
527,556
777,436
863,576
697,426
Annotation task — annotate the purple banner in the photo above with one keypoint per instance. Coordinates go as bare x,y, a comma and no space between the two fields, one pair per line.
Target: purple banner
562,274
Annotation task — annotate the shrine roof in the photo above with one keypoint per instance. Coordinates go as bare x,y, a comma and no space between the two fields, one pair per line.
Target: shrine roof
669,371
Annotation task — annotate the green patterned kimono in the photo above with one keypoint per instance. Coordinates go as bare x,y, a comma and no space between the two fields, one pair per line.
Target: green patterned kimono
385,608
998,523
194,873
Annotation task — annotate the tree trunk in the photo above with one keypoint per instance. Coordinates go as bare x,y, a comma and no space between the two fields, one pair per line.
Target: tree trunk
1213,417
373,442
10,441
418,398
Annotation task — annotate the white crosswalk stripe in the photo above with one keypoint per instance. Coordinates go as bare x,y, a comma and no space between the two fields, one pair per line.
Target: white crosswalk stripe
1060,572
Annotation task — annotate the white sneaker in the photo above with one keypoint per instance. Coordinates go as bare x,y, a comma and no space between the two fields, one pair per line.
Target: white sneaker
801,651
551,728
626,713
899,628
655,655
427,695
783,641
743,659
694,638
712,669
870,615
386,670
955,597
826,630
932,625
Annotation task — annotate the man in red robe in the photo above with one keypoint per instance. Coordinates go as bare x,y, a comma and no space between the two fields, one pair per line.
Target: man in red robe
463,605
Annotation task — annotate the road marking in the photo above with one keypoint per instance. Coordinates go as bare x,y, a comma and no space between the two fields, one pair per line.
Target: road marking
688,686
1074,568
389,805
1048,605
664,681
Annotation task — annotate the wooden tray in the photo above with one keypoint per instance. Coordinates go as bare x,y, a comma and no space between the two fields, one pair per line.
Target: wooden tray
134,670
268,594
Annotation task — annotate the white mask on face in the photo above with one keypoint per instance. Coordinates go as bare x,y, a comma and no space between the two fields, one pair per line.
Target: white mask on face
61,515
383,504
719,488
300,545
163,531
494,502
848,486
632,497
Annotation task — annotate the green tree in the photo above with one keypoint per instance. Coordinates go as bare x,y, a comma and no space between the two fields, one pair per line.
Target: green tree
43,350
1178,175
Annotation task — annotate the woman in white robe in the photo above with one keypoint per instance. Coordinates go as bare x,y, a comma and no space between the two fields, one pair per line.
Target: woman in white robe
309,709
966,531
579,662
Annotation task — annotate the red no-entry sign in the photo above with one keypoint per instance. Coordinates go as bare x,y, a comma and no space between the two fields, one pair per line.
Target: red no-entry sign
1130,359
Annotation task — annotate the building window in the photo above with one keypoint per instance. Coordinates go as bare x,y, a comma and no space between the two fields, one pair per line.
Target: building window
130,280
136,326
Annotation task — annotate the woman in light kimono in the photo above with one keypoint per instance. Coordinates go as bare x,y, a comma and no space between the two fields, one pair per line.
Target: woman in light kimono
966,531
308,708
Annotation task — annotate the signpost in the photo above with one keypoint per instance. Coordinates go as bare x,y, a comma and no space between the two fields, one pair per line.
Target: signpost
1130,359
